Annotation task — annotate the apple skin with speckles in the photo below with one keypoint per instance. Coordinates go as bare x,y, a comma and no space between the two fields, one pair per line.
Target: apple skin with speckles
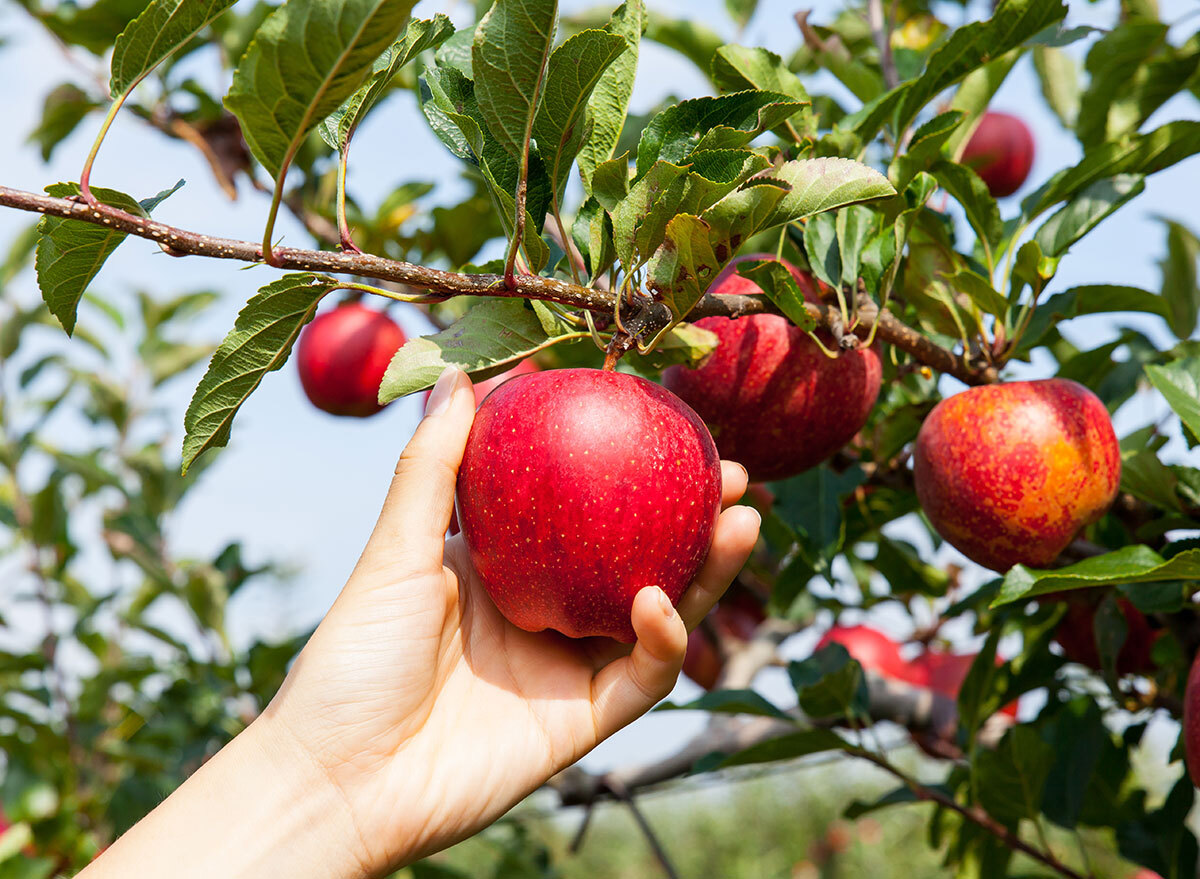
1001,152
580,487
342,356
1191,722
774,402
1009,474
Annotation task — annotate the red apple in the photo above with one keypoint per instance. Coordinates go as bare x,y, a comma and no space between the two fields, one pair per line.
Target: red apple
342,356
735,617
1010,473
578,488
1191,722
945,672
774,402
1001,152
1076,634
875,651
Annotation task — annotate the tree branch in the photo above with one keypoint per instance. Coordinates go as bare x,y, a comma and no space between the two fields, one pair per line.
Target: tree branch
181,242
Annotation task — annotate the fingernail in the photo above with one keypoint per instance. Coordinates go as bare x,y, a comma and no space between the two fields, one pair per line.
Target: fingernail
757,515
745,472
664,604
439,397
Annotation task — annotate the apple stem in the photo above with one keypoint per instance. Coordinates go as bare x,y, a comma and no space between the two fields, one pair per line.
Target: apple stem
617,346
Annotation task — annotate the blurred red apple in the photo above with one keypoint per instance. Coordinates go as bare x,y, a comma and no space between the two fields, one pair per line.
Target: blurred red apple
945,672
736,618
1001,152
1076,634
774,402
1010,473
1191,722
875,651
342,356
578,488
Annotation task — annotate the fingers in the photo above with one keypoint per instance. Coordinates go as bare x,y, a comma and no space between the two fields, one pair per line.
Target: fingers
737,530
416,513
628,687
733,483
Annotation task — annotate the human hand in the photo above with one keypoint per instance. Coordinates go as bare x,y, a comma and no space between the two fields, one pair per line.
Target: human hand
417,714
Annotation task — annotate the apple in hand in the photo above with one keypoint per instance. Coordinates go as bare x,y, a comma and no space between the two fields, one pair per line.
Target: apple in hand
578,488
1001,152
736,618
1076,634
875,651
774,402
1010,473
342,356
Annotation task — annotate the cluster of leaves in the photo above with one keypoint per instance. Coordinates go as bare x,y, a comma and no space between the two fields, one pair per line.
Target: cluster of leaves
119,678
530,103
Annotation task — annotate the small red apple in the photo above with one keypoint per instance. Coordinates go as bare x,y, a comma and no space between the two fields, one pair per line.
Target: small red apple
945,672
1001,152
342,356
578,488
1191,722
774,402
875,651
1076,634
735,617
1010,473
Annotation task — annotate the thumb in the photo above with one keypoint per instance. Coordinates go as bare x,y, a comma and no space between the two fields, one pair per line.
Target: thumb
416,513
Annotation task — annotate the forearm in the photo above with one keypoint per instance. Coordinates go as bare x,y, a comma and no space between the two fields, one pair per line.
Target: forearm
258,808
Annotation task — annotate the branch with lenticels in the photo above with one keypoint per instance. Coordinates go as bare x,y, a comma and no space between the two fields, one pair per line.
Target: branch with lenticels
438,283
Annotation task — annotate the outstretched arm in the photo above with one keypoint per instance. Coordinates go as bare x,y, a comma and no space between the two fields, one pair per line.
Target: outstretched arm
417,715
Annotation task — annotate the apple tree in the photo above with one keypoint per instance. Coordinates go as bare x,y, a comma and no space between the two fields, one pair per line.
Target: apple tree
852,197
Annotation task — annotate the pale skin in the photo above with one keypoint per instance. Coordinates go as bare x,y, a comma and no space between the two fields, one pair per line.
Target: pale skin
417,715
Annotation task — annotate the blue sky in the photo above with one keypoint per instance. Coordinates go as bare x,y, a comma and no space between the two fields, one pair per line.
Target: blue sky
304,488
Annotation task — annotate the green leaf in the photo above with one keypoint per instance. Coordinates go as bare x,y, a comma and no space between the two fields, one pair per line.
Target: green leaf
562,124
685,344
736,68
1112,63
729,702
64,108
980,292
1011,24
305,60
651,201
492,337
741,214
160,29
825,184
421,35
973,95
788,747
683,266
1011,778
509,55
855,225
1135,154
70,252
724,122
1179,383
260,342
1058,74
781,288
609,102
1181,286
830,684
1130,564
1091,299
821,245
1086,211
968,189
741,11
1147,478
94,26
924,148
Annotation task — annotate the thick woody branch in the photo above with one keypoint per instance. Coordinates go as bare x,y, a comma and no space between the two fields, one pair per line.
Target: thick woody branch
181,242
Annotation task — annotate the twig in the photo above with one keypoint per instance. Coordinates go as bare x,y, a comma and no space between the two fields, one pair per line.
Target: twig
881,34
974,814
623,794
181,242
